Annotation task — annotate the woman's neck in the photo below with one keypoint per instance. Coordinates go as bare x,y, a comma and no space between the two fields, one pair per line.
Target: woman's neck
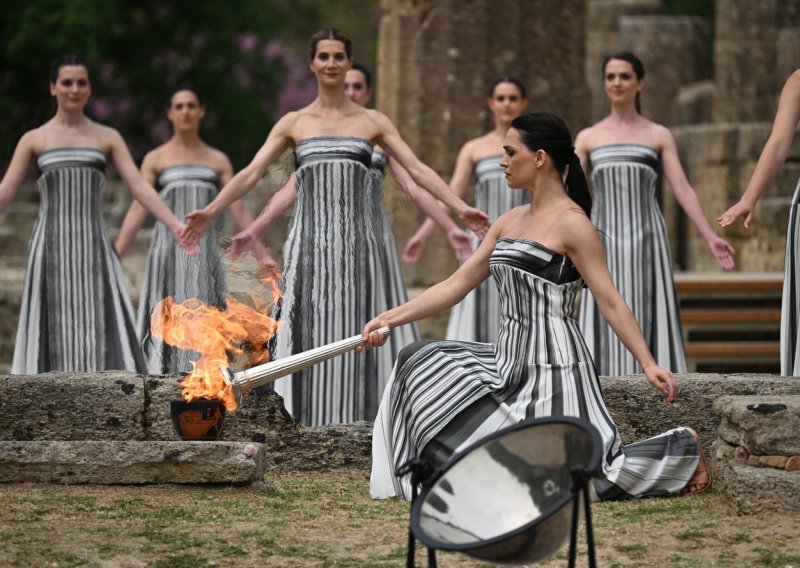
69,118
189,139
548,193
500,129
331,97
624,114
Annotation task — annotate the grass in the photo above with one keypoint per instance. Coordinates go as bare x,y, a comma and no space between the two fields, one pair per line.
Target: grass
327,519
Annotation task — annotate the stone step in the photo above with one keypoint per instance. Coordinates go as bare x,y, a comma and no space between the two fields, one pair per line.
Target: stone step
131,462
762,425
753,490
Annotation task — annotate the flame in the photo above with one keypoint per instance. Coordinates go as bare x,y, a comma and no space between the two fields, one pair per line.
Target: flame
215,334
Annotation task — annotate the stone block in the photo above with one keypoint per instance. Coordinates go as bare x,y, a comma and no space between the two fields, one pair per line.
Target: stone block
793,463
640,412
752,490
695,102
260,413
764,425
72,406
320,448
161,390
108,463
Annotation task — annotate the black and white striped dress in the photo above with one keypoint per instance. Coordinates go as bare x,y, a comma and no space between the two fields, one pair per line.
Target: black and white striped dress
332,280
171,271
391,289
477,316
632,228
446,395
75,313
790,306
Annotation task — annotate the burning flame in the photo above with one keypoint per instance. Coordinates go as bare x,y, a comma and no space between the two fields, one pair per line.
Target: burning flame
215,334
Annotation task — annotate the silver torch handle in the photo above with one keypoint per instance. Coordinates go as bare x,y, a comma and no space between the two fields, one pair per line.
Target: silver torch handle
248,379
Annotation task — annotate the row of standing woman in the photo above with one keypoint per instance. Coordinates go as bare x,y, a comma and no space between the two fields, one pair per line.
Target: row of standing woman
333,281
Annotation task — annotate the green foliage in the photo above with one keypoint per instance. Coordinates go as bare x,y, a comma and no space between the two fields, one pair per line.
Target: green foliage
701,8
138,51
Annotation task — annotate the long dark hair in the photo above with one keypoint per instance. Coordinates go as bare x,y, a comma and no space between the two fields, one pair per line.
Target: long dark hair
545,131
184,87
638,69
364,71
329,33
66,60
507,79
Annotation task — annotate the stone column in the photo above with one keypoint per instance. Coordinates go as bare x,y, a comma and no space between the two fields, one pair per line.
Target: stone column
435,61
750,57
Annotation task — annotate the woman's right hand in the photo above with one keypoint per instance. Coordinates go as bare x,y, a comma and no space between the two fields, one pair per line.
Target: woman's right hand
241,243
740,209
370,334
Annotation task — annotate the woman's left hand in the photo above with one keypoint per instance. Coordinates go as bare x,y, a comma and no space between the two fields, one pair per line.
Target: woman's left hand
198,222
663,381
722,251
187,240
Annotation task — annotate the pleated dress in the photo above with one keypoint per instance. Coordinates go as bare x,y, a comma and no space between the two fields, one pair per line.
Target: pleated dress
333,281
476,317
171,271
391,288
75,313
790,306
634,235
446,395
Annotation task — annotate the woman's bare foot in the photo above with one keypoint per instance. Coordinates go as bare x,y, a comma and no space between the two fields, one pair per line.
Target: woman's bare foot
701,480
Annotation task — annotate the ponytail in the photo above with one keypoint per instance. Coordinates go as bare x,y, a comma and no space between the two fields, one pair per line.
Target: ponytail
575,183
544,131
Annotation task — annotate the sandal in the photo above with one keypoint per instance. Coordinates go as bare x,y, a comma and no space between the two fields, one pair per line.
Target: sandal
701,480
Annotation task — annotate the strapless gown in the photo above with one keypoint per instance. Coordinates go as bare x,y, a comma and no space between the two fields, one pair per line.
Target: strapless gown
446,395
75,313
634,234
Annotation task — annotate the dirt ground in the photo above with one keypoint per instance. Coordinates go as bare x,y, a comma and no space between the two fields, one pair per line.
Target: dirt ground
327,519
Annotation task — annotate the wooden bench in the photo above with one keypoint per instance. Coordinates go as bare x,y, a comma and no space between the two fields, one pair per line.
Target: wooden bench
731,321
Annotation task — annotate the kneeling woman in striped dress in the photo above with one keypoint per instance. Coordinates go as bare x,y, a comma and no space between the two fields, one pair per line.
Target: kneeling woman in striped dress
445,395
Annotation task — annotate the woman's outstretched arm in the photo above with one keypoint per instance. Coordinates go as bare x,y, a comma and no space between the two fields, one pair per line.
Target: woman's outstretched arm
772,156
391,141
23,154
137,214
459,240
276,143
441,296
584,248
687,198
145,194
